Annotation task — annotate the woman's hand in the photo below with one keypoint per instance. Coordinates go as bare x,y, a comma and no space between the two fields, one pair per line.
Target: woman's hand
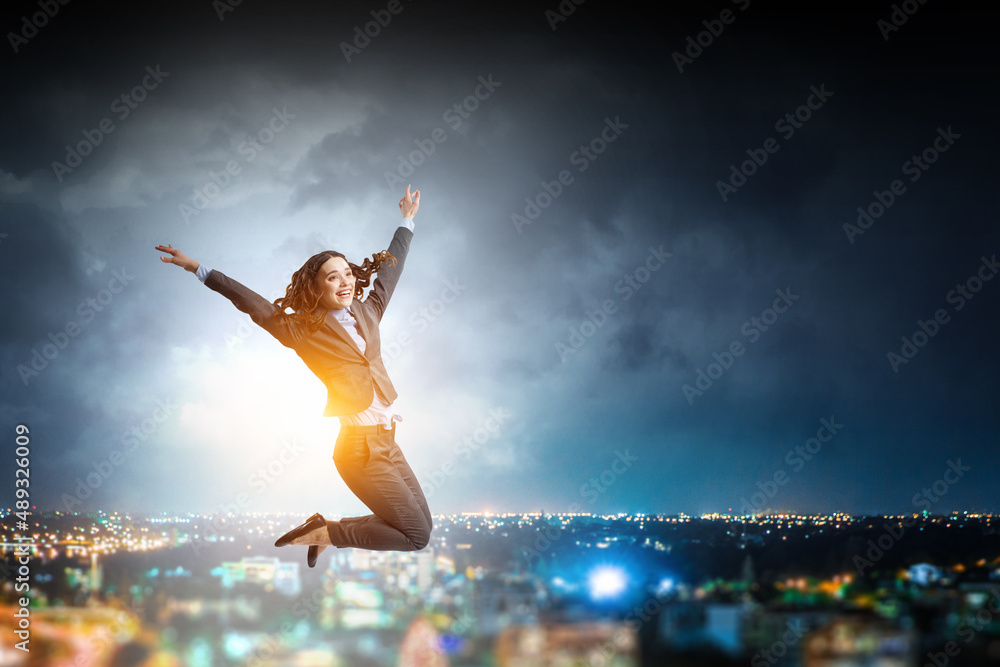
409,203
178,258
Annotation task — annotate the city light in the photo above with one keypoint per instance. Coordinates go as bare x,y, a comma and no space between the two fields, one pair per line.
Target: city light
606,581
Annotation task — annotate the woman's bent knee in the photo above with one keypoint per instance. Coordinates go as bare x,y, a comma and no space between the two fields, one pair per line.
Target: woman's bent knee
421,538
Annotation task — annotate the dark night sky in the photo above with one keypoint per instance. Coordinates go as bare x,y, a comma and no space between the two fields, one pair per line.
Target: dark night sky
483,315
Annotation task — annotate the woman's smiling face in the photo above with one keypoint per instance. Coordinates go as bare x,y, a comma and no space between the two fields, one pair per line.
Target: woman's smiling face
335,282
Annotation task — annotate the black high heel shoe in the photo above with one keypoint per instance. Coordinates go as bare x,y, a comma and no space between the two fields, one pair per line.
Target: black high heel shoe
313,554
311,524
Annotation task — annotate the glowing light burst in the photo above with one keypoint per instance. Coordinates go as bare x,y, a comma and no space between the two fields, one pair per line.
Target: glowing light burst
606,581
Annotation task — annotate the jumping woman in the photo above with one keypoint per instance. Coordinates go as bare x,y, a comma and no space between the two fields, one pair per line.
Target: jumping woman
337,336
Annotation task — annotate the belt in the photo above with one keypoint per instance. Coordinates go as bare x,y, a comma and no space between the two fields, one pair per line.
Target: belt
376,429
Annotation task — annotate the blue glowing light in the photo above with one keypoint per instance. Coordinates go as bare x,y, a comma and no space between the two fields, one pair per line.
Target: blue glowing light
606,581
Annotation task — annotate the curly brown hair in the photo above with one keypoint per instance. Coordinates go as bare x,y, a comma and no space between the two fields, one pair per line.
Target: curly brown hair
302,296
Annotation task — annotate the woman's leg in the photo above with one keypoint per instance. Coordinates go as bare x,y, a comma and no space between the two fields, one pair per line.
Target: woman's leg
403,468
374,468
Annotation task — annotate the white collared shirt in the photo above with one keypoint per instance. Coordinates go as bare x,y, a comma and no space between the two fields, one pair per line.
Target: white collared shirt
379,412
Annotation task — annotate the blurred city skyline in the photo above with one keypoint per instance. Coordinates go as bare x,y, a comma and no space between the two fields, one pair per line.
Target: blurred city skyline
505,589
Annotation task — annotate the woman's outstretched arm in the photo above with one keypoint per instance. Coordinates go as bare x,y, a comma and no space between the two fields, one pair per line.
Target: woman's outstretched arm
260,310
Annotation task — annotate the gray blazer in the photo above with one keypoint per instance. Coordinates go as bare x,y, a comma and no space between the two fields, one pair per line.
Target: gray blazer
330,352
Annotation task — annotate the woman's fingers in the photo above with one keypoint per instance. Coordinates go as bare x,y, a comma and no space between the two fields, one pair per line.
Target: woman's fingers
409,198
170,250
